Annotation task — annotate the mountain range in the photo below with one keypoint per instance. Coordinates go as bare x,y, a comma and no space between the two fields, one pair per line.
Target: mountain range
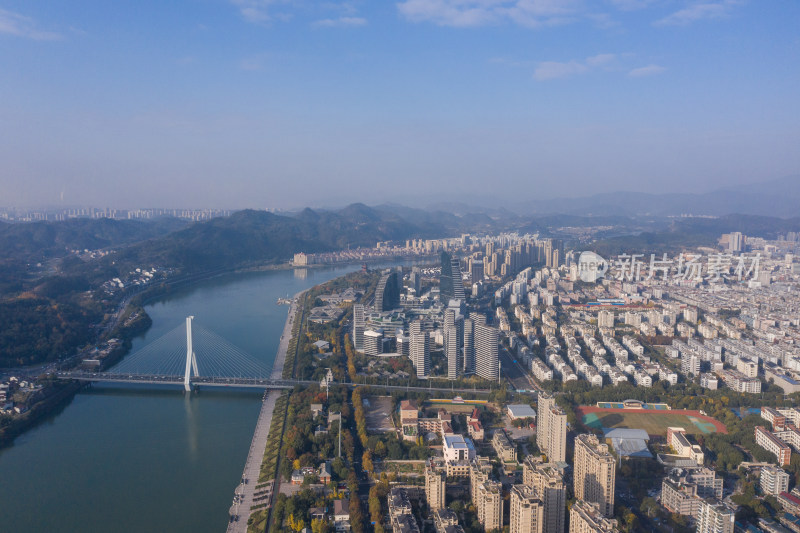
777,198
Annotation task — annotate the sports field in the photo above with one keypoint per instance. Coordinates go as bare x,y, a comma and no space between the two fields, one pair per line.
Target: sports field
652,421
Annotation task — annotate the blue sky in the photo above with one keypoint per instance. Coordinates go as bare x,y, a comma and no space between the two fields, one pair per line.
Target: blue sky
283,103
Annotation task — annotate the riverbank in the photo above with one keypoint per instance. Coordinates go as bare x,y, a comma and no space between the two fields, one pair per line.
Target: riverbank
38,413
252,487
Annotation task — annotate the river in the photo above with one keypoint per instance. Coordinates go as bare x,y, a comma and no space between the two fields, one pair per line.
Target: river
128,458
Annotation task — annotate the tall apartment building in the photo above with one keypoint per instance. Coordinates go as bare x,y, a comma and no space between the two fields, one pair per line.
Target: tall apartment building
415,279
451,343
373,342
773,480
387,294
594,473
679,497
420,350
605,319
548,482
545,402
487,357
435,487
551,434
506,450
469,347
451,286
446,521
400,514
690,363
489,504
557,435
476,269
715,517
684,489
526,510
358,327
479,470
586,517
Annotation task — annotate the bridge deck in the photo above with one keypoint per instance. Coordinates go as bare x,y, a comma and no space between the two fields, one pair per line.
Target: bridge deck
260,383
150,379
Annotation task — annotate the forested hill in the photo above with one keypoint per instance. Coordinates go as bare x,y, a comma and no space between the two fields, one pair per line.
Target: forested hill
258,236
37,241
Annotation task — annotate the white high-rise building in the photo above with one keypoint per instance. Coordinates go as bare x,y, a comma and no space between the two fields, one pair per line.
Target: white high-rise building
420,350
469,347
557,435
594,473
605,319
489,504
551,434
358,327
487,356
547,479
545,402
435,487
774,480
451,351
715,517
525,510
586,517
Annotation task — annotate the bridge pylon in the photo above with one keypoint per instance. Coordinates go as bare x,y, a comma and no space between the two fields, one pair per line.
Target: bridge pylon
191,359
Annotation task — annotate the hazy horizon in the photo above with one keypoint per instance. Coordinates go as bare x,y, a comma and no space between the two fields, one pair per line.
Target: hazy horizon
281,104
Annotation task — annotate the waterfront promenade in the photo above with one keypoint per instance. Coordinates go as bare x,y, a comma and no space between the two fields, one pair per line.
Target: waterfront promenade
245,492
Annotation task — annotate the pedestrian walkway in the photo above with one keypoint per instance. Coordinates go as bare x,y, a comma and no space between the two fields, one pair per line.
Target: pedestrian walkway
246,496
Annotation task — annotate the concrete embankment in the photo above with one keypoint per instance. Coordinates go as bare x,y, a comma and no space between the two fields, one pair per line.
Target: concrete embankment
246,492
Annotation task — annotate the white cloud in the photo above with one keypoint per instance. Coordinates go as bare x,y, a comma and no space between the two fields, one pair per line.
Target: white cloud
631,5
550,70
261,11
21,26
699,11
649,70
335,13
600,59
340,22
252,64
467,13
510,62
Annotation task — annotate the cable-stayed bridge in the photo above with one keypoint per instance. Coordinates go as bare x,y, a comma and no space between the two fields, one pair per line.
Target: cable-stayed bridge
188,355
191,355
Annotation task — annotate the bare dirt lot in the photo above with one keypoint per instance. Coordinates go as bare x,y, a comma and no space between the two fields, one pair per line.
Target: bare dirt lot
378,410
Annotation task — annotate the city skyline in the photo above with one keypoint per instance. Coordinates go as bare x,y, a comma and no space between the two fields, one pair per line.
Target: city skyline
255,103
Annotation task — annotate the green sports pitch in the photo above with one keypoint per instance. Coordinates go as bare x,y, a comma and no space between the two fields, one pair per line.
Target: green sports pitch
653,422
